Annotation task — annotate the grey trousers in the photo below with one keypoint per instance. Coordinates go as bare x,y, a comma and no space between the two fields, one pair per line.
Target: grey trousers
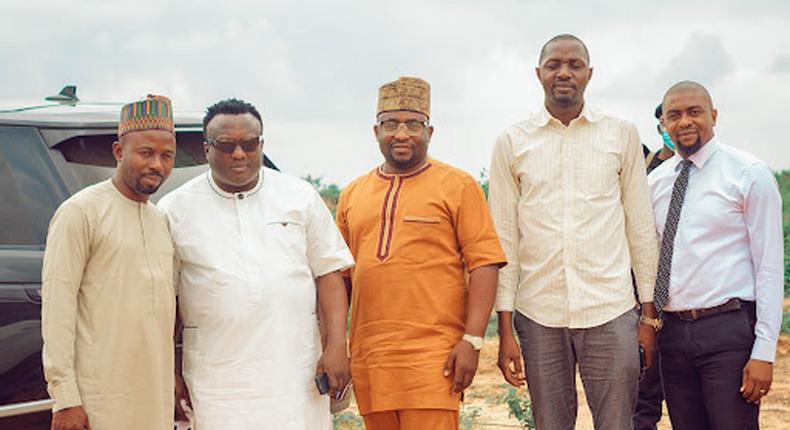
608,360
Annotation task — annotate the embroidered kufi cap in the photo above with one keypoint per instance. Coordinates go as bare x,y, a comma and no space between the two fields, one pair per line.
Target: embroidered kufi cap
413,94
152,113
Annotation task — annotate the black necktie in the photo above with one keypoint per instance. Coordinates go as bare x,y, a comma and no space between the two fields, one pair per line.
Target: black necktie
661,292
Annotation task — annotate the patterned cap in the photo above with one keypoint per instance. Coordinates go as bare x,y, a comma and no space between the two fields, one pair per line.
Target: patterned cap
153,113
406,93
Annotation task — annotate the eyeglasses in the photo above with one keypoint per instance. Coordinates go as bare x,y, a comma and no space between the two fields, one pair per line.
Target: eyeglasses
413,126
228,146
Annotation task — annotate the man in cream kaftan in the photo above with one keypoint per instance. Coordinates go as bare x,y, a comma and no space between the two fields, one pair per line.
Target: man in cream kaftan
108,304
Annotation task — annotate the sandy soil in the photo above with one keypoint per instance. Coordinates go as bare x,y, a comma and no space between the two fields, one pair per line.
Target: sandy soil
483,398
774,413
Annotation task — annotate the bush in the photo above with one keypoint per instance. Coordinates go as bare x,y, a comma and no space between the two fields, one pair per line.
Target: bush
519,406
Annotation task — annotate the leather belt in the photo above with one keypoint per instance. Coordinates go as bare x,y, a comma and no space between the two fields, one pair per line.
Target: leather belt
695,314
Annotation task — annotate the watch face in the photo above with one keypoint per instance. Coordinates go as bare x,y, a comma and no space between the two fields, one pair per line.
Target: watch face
475,341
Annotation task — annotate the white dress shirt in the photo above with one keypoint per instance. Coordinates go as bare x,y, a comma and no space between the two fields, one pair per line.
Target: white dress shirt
729,238
572,209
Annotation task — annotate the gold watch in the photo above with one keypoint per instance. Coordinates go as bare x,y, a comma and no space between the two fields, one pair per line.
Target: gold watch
656,323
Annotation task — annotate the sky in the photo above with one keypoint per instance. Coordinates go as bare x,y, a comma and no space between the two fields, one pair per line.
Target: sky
313,68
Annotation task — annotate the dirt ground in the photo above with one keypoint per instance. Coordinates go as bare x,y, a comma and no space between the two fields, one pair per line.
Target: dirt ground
485,410
774,413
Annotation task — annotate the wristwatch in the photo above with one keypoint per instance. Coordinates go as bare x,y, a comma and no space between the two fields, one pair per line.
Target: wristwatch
656,323
476,341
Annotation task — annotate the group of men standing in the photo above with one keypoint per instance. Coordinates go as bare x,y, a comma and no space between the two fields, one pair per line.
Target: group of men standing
587,257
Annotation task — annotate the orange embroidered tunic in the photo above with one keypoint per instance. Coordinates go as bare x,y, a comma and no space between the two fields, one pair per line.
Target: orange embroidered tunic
414,237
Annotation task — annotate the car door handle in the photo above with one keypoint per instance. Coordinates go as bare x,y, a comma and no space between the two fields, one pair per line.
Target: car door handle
34,294
20,293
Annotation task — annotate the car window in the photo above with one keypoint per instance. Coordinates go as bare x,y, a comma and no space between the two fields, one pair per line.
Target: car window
90,159
96,150
31,190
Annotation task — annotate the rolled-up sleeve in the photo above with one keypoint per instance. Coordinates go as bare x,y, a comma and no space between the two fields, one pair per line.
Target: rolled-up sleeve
65,257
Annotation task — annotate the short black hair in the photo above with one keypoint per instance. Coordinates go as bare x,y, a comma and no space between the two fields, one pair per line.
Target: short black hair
685,86
564,36
230,107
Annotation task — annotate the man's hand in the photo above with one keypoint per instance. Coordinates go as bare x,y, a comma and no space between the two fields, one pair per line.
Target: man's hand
181,392
334,362
462,363
757,379
647,333
70,419
510,361
647,339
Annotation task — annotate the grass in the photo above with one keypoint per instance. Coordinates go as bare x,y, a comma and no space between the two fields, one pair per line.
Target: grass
347,420
784,188
519,406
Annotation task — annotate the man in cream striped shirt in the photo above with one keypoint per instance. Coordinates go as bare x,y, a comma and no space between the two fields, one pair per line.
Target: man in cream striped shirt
570,201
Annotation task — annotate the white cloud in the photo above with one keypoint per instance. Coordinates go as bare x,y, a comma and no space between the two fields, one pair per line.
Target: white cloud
313,67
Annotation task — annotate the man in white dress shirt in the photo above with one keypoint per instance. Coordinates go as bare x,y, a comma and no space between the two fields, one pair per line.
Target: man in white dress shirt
570,202
254,246
720,273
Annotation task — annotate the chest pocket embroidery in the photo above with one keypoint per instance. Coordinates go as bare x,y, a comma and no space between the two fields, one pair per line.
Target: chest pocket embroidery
421,219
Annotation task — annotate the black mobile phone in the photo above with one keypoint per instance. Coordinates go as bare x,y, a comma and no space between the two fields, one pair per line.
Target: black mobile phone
642,362
322,383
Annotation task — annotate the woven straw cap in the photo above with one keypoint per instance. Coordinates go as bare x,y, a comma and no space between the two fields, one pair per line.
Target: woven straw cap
412,94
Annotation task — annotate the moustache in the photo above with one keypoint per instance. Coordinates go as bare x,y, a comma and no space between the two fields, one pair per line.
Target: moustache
157,174
564,85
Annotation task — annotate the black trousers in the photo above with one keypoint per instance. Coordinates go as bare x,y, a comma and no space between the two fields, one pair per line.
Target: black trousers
651,396
702,366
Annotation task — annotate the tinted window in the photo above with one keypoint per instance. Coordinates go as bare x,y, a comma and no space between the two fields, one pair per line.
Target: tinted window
97,150
90,159
31,191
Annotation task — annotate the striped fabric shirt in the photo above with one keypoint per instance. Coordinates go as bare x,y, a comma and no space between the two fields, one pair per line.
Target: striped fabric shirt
572,209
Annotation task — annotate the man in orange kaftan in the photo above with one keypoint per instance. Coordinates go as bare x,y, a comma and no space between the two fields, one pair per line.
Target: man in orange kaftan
416,227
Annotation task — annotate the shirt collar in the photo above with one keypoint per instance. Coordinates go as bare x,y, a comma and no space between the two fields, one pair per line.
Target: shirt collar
543,116
237,195
699,158
388,176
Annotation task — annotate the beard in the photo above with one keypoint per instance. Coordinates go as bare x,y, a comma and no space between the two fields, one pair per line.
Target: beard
691,149
564,99
146,189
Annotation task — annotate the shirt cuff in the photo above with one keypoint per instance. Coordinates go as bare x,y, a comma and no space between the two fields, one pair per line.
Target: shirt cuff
65,394
505,304
645,293
764,350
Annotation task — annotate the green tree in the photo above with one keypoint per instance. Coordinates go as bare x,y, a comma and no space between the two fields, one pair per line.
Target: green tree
784,188
329,192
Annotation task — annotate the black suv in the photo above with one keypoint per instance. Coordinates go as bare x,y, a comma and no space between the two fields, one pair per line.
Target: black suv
48,153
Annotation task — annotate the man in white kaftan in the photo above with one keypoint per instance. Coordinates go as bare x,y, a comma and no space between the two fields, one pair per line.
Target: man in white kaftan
249,259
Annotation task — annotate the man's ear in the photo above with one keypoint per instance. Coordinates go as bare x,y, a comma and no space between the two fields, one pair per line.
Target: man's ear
430,132
376,131
714,113
117,151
